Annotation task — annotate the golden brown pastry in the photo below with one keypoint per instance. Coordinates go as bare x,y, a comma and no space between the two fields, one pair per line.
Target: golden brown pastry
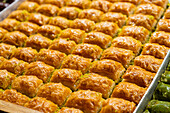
69,12
38,42
112,1
62,45
147,62
127,42
27,54
27,85
2,33
135,2
83,24
138,32
155,50
9,24
49,31
161,38
129,91
167,14
101,5
98,38
6,78
146,21
28,6
108,28
11,95
67,77
61,22
98,83
6,50
85,100
42,105
1,94
82,4
15,38
150,9
27,28
139,76
76,62
109,68
117,105
76,35
2,59
88,51
55,92
51,57
91,14
20,15
37,1
48,10
162,3
118,54
163,25
58,3
39,69
122,7
117,18
69,110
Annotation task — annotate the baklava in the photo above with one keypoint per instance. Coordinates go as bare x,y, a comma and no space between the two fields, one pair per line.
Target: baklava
20,15
6,50
163,25
68,110
2,33
9,24
162,3
58,3
82,4
28,6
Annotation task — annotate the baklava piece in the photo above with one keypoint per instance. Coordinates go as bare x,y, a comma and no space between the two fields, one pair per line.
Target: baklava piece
39,69
38,42
27,28
77,62
123,7
67,77
117,18
135,2
167,14
55,92
98,83
101,5
147,62
26,54
14,65
15,38
88,51
2,33
161,38
83,24
20,15
109,68
139,76
138,32
11,95
6,79
163,25
127,42
68,110
155,50
6,50
91,14
63,45
28,6
118,54
83,100
108,28
58,3
42,105
69,12
117,105
61,22
38,19
51,57
146,21
76,35
150,9
129,91
2,59
49,31
27,85
162,3
37,1
9,24
98,38
82,4
48,10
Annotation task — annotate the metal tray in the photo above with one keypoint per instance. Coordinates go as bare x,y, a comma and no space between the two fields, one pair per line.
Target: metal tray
140,107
